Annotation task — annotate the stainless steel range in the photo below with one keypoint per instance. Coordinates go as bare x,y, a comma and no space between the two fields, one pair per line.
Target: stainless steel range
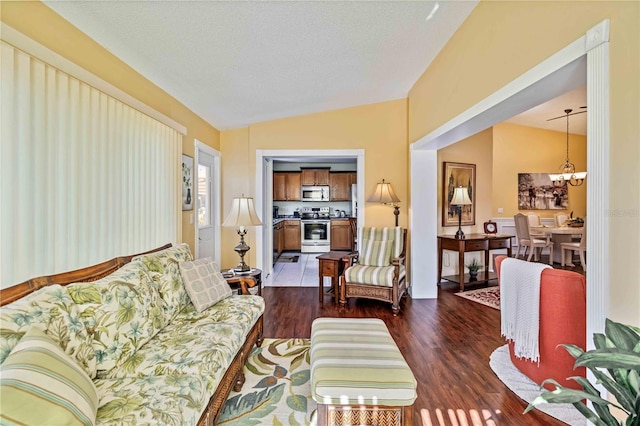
315,229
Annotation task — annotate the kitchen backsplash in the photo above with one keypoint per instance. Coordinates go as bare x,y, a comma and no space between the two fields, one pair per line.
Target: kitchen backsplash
287,208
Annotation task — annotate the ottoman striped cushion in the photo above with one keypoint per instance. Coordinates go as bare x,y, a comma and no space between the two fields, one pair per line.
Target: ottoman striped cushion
356,361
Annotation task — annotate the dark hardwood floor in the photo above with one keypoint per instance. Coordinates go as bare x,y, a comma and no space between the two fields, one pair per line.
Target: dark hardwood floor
447,342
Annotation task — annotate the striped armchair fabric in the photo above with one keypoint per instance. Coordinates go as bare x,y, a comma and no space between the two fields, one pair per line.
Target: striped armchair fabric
380,270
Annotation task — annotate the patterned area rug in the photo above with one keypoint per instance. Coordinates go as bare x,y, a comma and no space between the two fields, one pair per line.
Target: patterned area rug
527,390
489,296
277,390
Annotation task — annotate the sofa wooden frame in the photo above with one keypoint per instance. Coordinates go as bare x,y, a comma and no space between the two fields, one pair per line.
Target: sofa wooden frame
233,377
391,294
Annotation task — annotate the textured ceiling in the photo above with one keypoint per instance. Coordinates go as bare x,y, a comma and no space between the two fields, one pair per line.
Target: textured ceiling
235,63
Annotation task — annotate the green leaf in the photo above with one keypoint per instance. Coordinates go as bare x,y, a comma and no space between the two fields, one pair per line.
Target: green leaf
125,314
591,416
621,393
300,377
297,403
244,409
621,335
265,360
609,358
297,361
292,420
85,293
119,407
574,351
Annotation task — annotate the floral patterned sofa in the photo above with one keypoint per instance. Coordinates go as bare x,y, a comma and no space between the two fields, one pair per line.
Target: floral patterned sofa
130,325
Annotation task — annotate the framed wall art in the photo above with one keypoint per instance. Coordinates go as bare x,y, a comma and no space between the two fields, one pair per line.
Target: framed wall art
537,192
187,183
458,174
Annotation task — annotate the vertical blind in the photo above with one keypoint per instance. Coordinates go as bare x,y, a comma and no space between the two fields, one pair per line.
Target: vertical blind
83,176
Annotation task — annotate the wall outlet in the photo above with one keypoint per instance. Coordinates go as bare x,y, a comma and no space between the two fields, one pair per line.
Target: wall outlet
500,210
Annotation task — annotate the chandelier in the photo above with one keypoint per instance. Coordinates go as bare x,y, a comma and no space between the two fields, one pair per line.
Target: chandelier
568,169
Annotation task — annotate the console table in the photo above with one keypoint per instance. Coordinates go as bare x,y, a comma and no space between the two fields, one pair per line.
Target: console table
472,242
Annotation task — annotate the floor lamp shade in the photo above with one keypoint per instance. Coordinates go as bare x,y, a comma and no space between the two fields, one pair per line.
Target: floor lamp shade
242,214
384,194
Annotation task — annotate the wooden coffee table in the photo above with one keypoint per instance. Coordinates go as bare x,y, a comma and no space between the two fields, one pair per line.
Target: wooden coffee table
330,265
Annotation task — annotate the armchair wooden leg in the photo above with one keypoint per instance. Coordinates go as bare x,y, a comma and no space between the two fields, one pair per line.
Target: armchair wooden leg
343,293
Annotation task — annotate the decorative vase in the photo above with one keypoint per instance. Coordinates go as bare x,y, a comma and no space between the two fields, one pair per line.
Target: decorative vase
473,275
188,195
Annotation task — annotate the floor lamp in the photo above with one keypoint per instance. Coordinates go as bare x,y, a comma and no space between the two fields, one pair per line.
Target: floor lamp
242,214
460,198
384,194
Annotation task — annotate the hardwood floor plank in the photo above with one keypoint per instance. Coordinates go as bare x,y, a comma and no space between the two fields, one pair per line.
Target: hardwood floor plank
447,342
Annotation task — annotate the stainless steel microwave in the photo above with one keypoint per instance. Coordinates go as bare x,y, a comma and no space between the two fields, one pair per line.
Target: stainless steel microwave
315,193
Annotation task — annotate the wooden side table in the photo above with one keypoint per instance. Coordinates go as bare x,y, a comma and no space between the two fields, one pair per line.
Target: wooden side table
233,281
330,265
472,242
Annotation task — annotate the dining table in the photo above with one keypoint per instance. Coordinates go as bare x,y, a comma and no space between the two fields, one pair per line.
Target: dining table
559,235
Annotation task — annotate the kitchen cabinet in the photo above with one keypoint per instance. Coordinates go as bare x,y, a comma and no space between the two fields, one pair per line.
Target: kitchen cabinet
340,184
340,235
278,240
286,186
292,235
315,177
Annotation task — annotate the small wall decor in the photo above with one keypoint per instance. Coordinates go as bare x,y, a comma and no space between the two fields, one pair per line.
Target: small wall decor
458,174
187,183
537,192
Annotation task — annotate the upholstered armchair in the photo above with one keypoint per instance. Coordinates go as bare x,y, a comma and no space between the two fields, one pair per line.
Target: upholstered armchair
377,271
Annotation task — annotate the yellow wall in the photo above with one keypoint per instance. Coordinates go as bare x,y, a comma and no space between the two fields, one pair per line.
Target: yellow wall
501,40
380,129
476,149
522,149
40,23
237,179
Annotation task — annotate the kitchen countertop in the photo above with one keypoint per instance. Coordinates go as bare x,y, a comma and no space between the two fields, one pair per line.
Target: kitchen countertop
281,218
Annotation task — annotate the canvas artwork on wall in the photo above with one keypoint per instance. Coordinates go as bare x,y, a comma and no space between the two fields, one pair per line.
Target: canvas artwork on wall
187,183
458,174
537,192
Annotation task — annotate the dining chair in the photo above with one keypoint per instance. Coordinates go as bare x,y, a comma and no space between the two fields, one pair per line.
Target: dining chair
534,223
527,240
579,246
560,219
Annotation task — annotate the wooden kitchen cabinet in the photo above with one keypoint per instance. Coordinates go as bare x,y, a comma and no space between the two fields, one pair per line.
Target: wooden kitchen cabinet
286,186
340,184
292,236
315,177
278,240
340,235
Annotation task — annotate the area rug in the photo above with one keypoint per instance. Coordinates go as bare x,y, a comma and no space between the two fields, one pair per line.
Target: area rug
489,296
528,390
288,259
277,390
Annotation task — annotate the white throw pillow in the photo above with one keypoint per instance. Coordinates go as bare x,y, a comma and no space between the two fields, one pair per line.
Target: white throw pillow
204,283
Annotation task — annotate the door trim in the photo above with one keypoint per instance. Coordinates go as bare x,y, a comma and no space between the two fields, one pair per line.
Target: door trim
215,198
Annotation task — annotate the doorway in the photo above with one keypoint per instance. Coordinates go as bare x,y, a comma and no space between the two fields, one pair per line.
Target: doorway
207,218
264,198
543,82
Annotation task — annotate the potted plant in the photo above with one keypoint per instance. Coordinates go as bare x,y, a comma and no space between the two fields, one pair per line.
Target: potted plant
473,266
615,363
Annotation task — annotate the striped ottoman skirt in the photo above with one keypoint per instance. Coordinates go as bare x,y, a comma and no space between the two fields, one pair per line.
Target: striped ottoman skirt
358,375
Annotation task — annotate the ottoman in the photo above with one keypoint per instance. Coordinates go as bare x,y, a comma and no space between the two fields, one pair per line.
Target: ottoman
358,375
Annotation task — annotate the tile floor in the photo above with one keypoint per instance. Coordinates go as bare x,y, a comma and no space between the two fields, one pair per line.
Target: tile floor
303,273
